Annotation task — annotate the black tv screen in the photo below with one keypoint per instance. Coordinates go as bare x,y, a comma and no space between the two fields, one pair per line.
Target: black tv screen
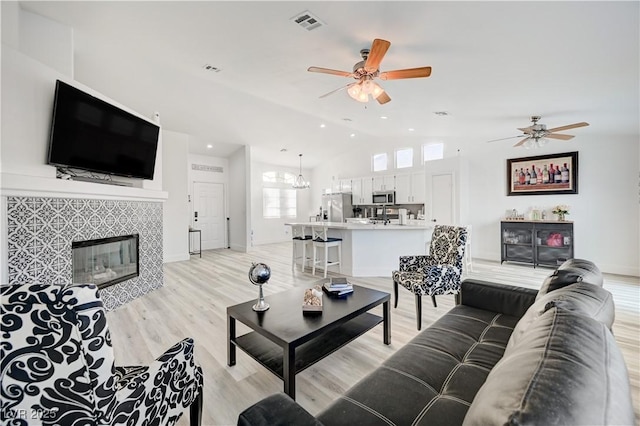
91,134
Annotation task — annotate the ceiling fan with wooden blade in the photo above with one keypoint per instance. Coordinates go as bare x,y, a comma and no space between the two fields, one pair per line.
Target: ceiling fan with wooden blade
536,134
367,70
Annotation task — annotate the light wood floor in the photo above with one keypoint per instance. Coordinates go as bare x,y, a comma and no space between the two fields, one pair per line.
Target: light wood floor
197,292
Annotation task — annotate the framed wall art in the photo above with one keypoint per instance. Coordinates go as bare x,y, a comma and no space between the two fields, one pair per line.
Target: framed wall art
543,174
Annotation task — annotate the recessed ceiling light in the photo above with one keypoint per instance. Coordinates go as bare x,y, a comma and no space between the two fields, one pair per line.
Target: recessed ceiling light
441,113
383,117
411,129
352,135
209,146
322,126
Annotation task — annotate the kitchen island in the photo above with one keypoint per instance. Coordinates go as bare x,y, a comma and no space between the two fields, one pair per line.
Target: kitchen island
374,250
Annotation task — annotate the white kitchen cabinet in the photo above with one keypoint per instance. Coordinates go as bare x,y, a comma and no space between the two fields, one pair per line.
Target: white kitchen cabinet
410,188
361,189
384,183
345,185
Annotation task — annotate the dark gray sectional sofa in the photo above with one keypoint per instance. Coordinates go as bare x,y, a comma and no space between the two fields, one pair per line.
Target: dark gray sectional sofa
504,355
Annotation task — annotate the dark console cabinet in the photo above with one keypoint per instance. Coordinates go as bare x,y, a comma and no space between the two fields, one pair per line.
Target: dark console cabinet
547,243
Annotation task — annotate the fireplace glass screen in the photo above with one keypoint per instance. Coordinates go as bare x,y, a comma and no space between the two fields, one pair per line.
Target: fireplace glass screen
106,261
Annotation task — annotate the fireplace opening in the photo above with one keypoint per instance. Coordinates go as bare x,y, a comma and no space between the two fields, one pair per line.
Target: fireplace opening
105,261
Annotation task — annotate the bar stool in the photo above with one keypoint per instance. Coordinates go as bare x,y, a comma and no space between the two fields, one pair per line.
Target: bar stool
322,241
301,241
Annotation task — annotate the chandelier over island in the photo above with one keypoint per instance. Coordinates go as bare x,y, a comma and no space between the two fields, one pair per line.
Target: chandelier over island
300,182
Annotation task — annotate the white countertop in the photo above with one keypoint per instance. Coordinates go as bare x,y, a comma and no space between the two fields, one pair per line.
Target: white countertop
363,226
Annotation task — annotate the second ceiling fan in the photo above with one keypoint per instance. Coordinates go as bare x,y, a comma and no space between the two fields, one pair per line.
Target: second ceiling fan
536,134
367,70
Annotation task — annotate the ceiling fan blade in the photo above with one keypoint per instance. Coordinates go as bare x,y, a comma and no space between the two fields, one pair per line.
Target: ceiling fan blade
526,130
378,49
406,73
567,127
383,98
330,71
522,141
558,136
504,139
337,90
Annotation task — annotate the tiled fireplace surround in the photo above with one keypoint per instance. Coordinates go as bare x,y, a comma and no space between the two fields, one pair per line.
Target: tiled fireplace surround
40,231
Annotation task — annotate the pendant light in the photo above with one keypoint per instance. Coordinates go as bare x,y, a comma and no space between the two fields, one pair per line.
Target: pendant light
299,182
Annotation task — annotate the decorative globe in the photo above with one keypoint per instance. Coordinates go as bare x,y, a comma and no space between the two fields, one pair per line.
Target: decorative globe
259,273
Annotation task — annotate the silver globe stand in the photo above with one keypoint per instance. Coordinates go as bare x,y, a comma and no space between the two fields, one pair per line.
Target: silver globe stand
261,305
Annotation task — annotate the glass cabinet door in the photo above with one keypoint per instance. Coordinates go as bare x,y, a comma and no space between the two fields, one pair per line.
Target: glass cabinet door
554,244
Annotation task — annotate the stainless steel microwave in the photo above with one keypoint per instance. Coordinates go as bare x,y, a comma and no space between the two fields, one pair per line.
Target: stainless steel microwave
384,197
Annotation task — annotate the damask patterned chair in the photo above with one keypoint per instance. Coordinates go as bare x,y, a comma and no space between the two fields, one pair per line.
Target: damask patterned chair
437,273
58,365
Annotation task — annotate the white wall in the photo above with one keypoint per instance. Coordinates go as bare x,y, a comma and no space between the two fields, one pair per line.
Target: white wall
266,231
240,201
605,212
175,147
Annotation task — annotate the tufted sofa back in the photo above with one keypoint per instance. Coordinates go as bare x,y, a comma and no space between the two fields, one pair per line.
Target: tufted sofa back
57,360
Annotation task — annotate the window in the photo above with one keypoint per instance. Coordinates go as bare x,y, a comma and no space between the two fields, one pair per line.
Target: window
404,158
278,203
433,151
279,200
379,162
278,177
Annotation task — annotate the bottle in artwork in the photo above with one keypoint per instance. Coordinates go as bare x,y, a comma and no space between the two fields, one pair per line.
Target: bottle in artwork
545,175
558,175
539,174
534,176
565,174
521,177
527,177
516,177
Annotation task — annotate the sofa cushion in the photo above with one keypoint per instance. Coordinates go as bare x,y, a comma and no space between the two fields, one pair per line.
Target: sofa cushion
433,378
566,369
570,272
581,298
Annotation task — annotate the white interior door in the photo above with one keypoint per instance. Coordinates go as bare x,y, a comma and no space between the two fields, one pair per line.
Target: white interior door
442,198
208,214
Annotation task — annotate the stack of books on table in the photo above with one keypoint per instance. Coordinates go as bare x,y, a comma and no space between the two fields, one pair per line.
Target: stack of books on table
338,287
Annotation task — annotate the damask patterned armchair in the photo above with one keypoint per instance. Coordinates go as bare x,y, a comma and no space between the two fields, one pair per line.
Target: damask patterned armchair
58,365
438,273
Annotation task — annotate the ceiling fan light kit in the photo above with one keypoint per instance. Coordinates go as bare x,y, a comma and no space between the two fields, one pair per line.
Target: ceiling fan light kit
368,69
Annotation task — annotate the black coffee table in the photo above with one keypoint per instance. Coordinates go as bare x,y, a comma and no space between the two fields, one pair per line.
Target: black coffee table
286,341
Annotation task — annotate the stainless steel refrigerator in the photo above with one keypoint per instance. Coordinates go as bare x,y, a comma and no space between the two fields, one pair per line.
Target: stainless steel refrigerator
337,206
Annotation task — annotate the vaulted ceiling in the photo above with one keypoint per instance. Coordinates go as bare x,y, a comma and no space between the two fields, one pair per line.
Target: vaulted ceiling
494,65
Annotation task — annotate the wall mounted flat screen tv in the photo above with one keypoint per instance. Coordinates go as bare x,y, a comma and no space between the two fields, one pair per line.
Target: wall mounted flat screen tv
91,134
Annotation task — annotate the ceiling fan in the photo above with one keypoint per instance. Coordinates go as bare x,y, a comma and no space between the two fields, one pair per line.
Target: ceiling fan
537,134
367,70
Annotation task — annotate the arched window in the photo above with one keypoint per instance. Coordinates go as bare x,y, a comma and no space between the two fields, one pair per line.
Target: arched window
275,177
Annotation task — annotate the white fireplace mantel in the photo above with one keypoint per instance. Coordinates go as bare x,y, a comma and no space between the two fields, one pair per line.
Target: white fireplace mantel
14,185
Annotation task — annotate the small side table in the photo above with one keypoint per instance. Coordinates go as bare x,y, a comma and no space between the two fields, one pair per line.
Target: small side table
199,232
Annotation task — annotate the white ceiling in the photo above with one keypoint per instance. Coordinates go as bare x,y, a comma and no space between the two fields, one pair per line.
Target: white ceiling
494,65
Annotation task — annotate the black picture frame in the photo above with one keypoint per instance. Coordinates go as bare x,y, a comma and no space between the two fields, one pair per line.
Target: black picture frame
520,178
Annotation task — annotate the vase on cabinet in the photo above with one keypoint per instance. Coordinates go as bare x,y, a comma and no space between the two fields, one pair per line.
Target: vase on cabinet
561,217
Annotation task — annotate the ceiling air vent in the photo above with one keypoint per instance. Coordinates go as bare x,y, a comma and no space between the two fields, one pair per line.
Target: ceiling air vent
307,20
